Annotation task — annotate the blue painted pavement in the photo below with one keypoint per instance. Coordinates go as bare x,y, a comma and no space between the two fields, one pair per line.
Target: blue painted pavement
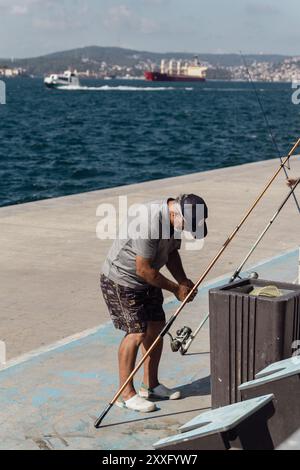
50,400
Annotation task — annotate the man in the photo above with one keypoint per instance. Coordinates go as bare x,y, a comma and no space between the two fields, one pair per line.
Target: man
132,285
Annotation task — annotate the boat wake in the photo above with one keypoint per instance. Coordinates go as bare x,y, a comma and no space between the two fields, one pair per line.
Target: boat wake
232,89
120,88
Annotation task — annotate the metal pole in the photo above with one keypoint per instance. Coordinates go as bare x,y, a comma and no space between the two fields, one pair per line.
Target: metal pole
186,347
299,267
200,280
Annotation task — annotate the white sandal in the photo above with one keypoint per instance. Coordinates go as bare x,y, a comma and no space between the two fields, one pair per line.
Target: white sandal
136,403
159,392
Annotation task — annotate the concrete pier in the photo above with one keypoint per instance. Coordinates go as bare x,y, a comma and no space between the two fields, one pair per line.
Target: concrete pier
51,258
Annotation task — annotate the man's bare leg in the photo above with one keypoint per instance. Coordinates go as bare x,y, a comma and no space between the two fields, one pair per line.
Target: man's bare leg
127,356
152,362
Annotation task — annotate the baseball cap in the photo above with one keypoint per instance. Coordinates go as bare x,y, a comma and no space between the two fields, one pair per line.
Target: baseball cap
195,212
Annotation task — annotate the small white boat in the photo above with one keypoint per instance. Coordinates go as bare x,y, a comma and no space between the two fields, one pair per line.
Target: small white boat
65,80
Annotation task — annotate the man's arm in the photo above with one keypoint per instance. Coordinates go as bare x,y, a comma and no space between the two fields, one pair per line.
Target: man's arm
175,267
155,278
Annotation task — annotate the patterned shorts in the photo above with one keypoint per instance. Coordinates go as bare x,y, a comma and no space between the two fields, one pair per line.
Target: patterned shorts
131,309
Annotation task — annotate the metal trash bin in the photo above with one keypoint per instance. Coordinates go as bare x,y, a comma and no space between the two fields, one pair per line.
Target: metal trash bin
248,333
292,443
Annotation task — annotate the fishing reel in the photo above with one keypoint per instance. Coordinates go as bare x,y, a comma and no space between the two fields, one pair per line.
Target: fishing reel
185,336
180,340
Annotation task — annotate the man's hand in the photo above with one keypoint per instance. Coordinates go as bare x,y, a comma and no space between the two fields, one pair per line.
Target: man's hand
184,289
292,181
190,284
181,292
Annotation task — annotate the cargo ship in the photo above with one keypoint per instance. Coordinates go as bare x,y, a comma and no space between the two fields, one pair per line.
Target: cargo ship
177,71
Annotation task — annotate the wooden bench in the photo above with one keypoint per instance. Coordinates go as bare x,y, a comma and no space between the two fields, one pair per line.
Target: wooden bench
282,379
242,425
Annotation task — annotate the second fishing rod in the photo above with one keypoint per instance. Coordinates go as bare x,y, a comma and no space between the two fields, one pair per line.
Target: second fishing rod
185,336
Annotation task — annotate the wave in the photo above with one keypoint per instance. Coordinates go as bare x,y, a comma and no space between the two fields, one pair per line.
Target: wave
119,88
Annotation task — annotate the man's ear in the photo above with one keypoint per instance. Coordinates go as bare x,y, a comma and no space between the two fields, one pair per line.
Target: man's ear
172,215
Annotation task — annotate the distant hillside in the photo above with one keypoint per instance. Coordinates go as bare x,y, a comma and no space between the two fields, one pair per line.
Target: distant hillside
92,57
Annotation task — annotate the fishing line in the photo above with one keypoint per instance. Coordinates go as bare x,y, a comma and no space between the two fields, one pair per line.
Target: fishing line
267,123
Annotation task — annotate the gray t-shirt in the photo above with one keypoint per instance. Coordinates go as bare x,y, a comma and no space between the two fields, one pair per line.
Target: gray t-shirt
157,243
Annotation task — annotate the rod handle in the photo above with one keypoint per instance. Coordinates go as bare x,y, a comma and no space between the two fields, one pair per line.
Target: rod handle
102,416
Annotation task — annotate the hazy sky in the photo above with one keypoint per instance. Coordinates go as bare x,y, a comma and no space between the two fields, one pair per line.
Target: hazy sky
34,27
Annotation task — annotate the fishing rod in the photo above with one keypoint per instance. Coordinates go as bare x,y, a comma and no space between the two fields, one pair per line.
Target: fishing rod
194,289
239,269
267,123
185,336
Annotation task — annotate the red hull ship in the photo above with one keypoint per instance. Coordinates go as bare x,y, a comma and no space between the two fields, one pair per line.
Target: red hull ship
165,77
175,71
